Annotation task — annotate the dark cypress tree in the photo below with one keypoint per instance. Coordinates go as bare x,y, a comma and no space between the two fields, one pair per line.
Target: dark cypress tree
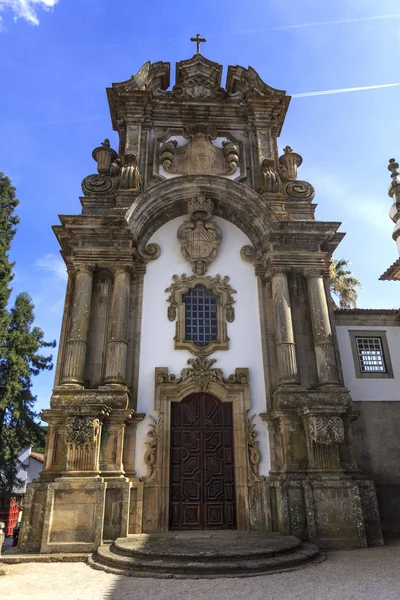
8,223
20,355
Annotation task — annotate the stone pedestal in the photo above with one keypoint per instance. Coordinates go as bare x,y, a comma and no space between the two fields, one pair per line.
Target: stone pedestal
315,489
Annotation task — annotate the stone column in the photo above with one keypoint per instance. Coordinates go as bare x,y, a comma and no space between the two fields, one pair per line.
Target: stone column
118,337
284,336
323,341
79,327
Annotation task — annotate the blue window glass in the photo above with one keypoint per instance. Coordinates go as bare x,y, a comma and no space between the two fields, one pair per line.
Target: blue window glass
200,316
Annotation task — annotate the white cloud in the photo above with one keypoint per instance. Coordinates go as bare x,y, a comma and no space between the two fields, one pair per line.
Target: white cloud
53,264
26,9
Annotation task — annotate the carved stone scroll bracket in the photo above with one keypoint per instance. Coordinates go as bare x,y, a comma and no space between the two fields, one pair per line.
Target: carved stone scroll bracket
99,185
130,176
299,190
149,252
219,287
270,181
199,237
150,457
252,255
252,445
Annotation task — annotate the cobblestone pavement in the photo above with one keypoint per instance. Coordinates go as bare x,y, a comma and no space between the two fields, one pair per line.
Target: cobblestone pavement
357,574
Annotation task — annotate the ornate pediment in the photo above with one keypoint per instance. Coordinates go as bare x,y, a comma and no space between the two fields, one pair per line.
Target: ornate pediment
198,78
151,77
247,82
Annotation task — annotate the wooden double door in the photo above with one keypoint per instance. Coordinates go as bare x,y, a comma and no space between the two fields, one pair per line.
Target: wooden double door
202,478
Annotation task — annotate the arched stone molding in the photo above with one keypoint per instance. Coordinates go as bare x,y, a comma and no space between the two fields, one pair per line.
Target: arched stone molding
249,487
233,201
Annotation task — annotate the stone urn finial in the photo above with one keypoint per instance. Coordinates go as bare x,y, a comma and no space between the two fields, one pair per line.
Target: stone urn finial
395,175
104,155
289,163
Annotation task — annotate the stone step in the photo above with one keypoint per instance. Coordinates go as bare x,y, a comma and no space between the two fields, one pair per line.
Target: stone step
185,548
169,567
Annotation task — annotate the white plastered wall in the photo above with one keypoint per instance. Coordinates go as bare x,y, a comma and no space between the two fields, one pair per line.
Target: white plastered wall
157,337
370,388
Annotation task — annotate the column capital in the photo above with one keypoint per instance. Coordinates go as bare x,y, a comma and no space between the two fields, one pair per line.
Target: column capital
82,267
272,271
311,272
123,269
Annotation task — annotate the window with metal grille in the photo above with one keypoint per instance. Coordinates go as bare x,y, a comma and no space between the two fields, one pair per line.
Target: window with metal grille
200,316
370,355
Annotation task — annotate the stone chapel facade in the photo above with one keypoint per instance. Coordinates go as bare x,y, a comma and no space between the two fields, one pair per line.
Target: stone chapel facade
198,381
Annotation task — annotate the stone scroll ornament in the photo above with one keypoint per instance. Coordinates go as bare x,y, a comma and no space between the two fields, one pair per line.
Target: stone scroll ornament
81,430
199,237
270,181
252,443
150,457
326,430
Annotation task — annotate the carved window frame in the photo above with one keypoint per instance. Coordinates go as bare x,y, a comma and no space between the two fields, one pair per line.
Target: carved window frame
219,287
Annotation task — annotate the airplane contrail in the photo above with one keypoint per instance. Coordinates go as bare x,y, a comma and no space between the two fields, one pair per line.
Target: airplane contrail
314,24
345,90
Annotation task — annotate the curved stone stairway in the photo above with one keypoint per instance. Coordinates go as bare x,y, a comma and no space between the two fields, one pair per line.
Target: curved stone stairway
191,554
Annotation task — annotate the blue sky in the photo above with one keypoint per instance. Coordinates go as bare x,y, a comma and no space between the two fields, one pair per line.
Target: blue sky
57,58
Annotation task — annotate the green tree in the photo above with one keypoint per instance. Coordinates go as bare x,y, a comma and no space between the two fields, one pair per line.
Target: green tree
21,358
8,223
343,284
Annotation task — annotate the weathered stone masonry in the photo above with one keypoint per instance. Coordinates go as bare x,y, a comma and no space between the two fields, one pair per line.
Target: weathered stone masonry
88,490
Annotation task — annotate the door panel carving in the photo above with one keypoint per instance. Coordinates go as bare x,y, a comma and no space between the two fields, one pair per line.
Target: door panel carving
202,486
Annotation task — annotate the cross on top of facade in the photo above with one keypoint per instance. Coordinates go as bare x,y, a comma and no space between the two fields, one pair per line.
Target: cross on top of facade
198,40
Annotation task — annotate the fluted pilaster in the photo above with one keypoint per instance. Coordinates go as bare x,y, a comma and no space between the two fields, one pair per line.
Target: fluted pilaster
284,336
118,337
79,326
322,332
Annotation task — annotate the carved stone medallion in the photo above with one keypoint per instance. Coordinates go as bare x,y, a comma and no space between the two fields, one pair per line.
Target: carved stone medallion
199,237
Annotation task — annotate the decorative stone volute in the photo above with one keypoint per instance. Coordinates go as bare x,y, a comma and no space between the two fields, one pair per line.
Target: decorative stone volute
270,180
104,155
130,175
289,163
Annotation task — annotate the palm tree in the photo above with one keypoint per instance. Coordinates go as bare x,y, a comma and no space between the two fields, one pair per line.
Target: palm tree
343,283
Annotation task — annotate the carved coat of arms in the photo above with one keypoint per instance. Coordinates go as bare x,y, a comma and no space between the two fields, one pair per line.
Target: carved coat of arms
199,237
